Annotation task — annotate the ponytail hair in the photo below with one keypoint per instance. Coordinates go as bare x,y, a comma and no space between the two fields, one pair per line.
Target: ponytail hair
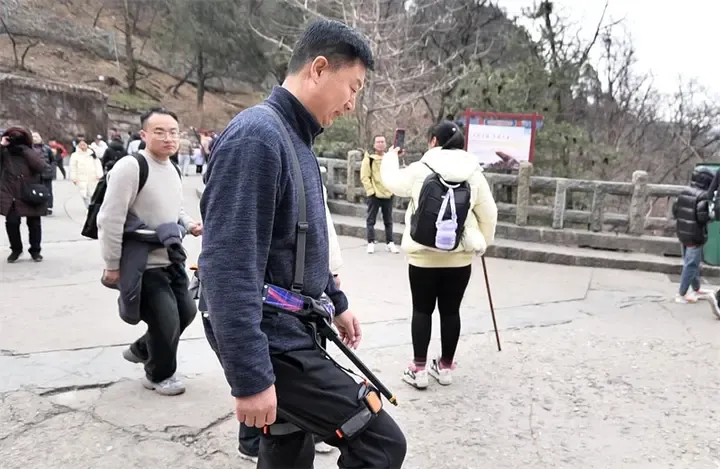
448,135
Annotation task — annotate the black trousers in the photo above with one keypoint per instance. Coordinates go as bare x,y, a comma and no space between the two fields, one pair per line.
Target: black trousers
317,396
167,308
49,184
375,204
61,167
445,287
12,227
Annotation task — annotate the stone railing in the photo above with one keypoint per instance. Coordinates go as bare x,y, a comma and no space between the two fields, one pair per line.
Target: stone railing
619,207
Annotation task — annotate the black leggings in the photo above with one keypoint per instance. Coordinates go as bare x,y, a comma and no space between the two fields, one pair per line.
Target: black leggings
446,287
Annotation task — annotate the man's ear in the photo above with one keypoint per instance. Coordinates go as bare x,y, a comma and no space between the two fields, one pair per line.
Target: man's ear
318,66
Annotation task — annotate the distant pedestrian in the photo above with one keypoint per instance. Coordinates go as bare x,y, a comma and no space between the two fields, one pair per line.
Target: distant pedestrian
20,165
379,198
692,216
85,170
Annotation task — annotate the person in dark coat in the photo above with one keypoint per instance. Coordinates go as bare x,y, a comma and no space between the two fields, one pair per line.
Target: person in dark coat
114,152
50,171
20,164
692,216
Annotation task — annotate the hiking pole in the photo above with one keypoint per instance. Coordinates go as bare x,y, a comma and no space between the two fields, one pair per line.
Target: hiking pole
492,308
328,332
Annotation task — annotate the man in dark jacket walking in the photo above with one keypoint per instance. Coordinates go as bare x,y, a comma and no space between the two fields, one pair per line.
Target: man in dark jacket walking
251,208
691,212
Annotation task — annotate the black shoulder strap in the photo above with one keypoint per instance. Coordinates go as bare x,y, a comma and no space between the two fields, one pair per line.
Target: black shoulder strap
142,162
302,226
429,167
177,169
144,170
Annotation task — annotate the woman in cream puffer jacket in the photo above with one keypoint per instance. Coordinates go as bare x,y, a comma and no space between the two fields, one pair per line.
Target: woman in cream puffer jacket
436,276
86,170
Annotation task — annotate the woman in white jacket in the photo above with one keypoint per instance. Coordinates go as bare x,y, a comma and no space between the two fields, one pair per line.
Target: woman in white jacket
440,276
335,254
86,170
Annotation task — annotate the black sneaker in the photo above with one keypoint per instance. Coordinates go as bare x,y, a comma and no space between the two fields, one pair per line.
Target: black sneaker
36,256
13,257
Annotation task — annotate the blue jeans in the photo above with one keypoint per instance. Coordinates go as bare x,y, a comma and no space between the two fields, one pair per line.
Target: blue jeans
690,277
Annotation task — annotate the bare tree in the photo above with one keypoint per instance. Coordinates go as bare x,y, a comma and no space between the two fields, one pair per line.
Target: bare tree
214,42
399,34
19,57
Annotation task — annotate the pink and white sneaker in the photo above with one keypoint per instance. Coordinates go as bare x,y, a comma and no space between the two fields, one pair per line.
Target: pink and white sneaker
441,374
689,298
416,377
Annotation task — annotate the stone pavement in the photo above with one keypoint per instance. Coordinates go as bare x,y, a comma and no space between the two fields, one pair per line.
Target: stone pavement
599,369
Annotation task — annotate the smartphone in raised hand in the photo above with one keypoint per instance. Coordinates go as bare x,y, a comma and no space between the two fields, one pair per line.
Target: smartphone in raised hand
399,140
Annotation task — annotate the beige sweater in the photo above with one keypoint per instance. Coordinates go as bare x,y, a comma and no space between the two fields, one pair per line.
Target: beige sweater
160,201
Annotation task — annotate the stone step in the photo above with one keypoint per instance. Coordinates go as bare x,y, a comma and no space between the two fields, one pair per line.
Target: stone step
544,252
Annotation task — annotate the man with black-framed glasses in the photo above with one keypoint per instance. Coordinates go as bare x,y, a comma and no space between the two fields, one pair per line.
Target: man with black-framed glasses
140,228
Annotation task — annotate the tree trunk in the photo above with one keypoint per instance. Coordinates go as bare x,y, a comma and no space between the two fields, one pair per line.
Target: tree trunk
200,80
131,66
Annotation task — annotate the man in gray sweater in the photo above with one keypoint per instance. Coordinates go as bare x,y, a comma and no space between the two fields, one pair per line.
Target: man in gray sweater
251,212
165,303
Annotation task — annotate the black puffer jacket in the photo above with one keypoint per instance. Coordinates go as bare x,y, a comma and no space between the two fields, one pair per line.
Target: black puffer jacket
691,209
114,152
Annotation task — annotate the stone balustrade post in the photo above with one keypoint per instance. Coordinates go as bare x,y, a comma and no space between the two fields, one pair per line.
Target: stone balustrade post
596,212
353,177
638,203
560,203
523,193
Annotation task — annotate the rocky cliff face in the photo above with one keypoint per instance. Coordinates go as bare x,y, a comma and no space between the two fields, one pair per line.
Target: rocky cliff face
56,110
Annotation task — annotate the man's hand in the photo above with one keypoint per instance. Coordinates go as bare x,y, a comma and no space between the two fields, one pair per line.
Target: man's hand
5,141
196,229
111,277
348,329
258,410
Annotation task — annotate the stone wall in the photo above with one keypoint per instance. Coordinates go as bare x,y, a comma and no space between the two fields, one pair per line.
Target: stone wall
56,110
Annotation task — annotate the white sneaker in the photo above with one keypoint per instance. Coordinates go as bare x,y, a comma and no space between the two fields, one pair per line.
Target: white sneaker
248,457
416,378
371,248
392,248
169,387
442,375
689,298
703,292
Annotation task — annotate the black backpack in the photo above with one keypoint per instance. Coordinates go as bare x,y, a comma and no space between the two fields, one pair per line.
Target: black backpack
90,229
424,221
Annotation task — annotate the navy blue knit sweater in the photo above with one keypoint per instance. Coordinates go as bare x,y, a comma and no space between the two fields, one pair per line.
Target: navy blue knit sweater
250,213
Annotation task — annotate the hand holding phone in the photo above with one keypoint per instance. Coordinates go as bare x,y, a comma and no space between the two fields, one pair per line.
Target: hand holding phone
399,140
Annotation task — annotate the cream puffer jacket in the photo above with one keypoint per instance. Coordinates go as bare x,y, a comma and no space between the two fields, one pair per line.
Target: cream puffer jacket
335,253
453,166
85,171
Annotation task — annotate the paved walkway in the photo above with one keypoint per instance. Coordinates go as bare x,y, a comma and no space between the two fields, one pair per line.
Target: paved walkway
598,369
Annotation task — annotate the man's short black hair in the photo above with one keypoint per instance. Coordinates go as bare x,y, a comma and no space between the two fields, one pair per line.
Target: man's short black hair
156,110
333,40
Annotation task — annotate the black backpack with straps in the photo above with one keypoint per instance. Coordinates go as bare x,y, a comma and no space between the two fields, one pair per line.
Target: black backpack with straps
439,218
90,228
